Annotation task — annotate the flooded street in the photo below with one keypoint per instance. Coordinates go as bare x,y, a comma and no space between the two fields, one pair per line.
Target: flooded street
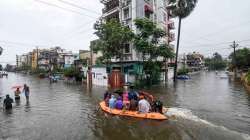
203,108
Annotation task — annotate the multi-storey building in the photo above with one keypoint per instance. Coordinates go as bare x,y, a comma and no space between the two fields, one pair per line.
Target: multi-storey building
34,59
126,11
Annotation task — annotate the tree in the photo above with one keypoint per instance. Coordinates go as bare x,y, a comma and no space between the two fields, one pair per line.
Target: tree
242,58
148,42
1,67
216,62
113,37
180,9
1,50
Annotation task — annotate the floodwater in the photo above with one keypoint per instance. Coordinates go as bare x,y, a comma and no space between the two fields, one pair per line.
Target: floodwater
206,107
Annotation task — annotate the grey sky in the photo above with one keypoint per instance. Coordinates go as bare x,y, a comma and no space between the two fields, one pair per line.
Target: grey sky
25,24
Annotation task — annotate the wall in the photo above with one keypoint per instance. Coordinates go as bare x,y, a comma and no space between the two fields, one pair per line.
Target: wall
99,76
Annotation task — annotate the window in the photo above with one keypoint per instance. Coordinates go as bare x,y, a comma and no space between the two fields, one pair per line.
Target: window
127,48
147,15
164,17
126,13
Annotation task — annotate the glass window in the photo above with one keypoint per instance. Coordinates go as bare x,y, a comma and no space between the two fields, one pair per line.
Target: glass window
126,13
127,48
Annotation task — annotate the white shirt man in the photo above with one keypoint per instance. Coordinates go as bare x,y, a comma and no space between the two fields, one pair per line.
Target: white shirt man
144,106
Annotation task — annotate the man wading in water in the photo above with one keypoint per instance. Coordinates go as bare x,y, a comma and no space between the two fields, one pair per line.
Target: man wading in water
26,91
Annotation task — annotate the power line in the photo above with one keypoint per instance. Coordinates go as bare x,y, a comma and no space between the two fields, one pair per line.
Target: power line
65,9
21,43
222,30
220,43
77,6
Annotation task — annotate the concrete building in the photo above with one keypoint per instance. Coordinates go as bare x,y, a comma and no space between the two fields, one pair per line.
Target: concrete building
126,11
44,59
34,59
192,61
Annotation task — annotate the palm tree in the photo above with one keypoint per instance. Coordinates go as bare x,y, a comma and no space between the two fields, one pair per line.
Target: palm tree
180,9
1,50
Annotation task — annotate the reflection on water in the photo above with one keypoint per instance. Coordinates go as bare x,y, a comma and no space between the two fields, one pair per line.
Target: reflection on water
205,107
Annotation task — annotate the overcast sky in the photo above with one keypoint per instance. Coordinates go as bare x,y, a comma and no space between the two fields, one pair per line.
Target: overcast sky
25,24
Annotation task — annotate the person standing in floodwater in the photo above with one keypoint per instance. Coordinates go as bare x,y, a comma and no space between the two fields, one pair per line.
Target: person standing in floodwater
26,91
8,102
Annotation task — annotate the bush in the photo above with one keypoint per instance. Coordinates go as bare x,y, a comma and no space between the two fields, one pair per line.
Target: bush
183,71
73,72
248,77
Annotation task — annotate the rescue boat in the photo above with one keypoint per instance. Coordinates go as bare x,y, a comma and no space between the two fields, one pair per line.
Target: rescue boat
129,113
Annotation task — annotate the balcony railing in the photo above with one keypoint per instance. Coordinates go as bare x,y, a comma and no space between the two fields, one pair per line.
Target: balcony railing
148,8
171,37
110,5
170,24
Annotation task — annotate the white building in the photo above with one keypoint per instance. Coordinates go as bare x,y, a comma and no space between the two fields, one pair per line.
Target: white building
126,11
99,76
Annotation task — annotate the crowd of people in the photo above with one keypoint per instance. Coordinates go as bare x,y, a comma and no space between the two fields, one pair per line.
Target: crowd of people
130,99
8,101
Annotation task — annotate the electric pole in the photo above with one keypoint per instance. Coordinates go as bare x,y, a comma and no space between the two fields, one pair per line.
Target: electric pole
37,57
234,46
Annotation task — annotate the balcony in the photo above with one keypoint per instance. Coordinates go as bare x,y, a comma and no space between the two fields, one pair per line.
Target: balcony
110,5
104,1
126,3
170,24
148,8
171,37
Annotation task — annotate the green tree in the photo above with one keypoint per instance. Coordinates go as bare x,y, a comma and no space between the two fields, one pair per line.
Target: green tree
113,37
216,62
148,41
242,58
1,67
180,9
1,50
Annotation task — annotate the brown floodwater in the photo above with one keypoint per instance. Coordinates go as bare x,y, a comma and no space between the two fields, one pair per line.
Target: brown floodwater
206,107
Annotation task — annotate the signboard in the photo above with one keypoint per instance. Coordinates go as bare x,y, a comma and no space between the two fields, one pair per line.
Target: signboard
69,60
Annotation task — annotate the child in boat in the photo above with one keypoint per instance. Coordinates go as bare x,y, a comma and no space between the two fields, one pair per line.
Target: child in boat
17,94
112,102
119,104
125,98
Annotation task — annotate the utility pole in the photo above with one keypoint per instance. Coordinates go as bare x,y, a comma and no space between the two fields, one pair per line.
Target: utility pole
234,46
37,57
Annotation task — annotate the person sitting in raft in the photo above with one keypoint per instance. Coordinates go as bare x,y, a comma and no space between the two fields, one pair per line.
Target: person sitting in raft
143,105
157,106
133,94
119,104
125,98
133,105
8,102
107,96
17,94
112,102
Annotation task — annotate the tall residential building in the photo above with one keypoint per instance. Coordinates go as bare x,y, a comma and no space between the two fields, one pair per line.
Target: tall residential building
34,59
126,11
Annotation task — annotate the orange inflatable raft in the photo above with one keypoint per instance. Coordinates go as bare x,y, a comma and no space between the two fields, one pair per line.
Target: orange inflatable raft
152,115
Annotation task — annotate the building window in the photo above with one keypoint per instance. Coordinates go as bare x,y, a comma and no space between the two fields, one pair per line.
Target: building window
126,13
164,17
127,48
